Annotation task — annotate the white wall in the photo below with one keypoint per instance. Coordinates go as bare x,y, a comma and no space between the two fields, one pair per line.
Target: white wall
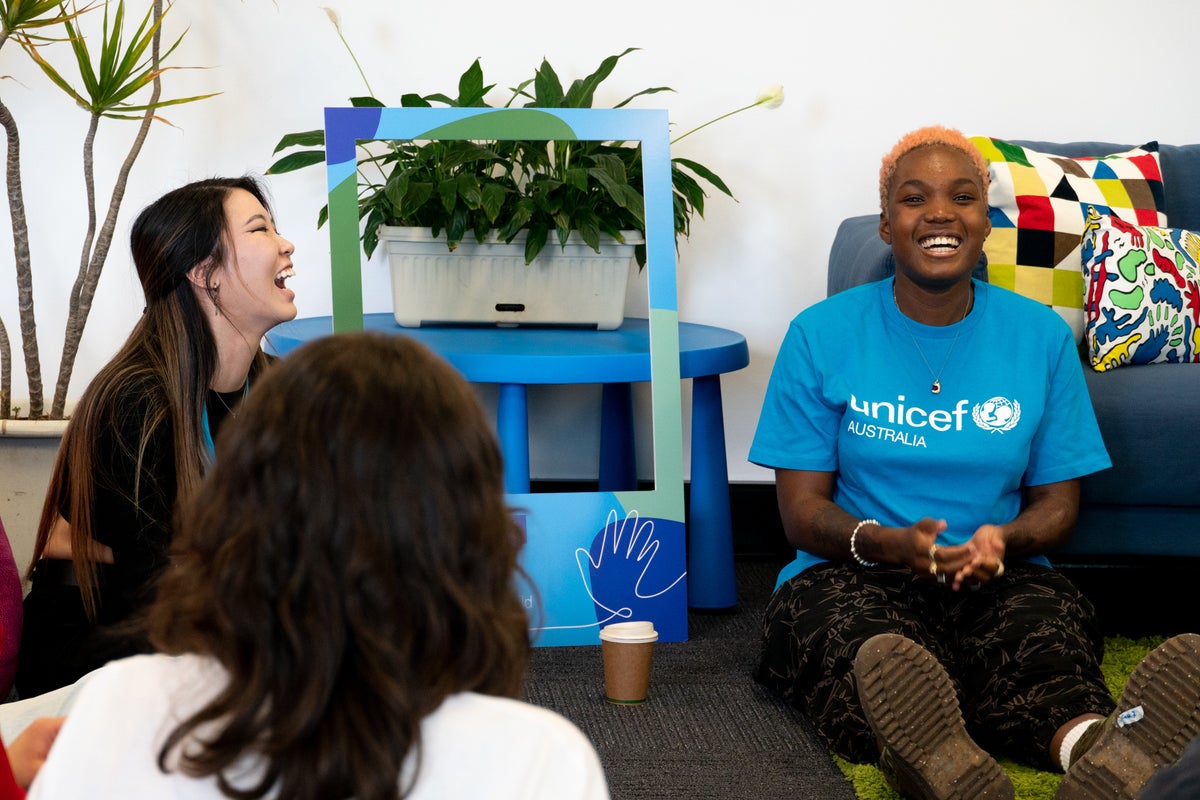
858,74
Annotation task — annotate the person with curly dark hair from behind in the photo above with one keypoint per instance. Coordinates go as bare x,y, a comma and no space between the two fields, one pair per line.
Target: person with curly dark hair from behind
341,614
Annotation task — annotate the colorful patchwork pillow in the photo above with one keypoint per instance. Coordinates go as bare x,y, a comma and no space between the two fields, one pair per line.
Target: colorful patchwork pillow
1143,293
1038,203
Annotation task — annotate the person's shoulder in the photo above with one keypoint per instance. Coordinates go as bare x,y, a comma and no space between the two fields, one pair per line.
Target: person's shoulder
143,689
127,399
123,393
467,716
842,307
151,673
545,754
507,712
135,702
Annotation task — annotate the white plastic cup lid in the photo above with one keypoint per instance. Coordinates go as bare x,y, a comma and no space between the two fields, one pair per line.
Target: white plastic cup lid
629,632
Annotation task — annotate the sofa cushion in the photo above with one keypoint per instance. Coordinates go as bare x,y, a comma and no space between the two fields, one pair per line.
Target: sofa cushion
1142,288
1037,206
1149,435
1180,165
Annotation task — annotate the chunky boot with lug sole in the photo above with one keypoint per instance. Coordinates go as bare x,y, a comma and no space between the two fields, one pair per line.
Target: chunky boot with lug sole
1161,710
926,752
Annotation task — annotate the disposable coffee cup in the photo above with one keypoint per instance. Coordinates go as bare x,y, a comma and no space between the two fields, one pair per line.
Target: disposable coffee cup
627,649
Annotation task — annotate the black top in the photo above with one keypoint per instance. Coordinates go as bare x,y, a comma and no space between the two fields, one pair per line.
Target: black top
135,493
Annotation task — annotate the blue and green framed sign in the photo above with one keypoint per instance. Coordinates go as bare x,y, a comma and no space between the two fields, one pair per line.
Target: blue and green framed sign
592,557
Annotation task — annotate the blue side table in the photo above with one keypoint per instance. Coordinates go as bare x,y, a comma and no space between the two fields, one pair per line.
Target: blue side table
515,358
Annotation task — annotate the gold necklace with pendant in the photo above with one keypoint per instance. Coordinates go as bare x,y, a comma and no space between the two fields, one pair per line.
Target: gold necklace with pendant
246,390
936,388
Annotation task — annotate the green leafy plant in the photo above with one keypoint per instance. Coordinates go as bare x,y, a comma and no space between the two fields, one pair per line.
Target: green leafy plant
108,82
463,188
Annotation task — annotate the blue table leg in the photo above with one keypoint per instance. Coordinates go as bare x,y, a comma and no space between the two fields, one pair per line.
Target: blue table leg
711,580
512,428
618,464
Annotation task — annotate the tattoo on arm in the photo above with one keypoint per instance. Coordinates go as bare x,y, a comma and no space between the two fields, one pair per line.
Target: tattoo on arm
831,528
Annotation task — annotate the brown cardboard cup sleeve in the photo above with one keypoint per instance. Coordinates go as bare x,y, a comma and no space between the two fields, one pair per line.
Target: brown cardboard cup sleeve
627,649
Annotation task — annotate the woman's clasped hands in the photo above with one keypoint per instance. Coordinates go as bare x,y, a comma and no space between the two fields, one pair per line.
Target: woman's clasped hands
976,561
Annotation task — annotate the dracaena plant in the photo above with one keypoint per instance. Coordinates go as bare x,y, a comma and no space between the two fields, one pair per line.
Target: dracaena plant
111,82
470,188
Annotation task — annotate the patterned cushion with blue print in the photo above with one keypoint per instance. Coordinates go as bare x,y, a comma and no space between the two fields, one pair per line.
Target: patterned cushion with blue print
1142,303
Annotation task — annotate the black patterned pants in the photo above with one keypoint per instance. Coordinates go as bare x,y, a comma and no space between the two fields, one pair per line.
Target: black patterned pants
1023,651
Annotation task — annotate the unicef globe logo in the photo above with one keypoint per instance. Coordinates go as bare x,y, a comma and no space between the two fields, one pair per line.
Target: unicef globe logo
997,415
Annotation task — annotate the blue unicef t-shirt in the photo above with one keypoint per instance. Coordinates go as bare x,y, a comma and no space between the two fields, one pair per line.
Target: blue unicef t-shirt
851,394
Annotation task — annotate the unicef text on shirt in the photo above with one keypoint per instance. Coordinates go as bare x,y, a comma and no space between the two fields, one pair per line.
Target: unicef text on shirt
897,413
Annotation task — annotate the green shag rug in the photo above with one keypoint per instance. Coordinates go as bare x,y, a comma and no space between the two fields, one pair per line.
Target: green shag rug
1121,655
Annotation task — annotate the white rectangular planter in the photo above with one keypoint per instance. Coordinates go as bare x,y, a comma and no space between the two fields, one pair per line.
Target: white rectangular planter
490,283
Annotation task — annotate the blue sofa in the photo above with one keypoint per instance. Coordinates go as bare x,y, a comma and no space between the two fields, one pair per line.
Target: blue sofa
1148,503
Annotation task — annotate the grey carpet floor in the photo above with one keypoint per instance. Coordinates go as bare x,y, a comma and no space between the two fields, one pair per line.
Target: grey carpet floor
707,730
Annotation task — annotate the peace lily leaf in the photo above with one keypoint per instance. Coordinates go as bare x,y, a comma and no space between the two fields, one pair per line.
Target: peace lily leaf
703,172
583,90
521,215
547,89
562,227
643,93
691,191
429,99
519,90
414,101
576,178
417,195
295,161
471,90
456,228
467,186
306,139
396,188
535,241
589,231
448,191
493,197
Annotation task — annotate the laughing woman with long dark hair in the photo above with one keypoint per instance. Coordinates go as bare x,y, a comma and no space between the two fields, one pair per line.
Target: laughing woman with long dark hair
212,268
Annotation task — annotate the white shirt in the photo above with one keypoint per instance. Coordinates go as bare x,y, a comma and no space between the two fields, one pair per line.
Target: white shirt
473,746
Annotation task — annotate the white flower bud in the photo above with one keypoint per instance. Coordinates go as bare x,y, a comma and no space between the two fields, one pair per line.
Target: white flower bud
333,17
771,97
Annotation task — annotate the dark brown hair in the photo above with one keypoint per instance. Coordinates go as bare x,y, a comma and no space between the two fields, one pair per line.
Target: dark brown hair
164,366
350,561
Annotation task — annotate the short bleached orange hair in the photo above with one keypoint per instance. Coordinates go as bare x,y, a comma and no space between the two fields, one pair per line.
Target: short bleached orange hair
925,137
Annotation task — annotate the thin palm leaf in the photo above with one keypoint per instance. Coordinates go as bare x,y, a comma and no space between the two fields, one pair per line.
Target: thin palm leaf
120,72
19,18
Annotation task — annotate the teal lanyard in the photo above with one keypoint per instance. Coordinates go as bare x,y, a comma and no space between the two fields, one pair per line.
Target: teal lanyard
208,439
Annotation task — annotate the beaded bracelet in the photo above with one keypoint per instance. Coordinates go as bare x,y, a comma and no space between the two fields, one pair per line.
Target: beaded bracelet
853,551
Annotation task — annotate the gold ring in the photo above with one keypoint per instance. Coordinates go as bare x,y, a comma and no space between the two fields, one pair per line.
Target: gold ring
933,568
999,568
933,559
